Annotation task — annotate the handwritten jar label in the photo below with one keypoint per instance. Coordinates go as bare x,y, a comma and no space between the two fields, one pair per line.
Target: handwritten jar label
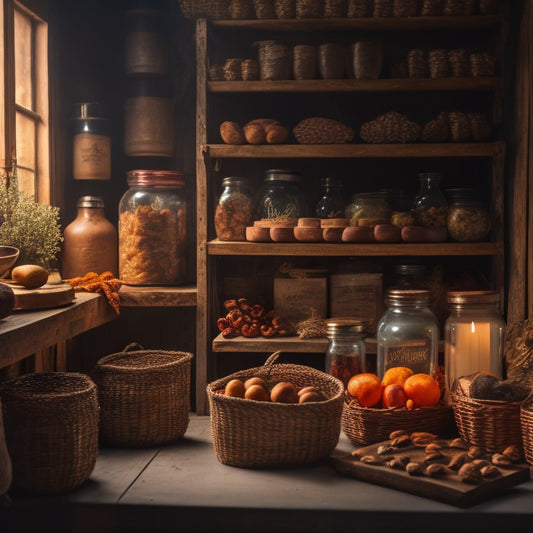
91,157
415,355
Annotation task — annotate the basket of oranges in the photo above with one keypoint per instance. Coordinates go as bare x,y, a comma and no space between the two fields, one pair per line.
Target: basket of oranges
275,415
374,407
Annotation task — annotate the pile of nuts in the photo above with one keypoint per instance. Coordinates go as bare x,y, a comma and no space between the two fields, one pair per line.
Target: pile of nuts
251,321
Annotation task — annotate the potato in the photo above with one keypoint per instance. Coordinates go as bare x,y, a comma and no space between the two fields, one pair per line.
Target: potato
263,122
276,134
254,134
232,133
30,276
387,233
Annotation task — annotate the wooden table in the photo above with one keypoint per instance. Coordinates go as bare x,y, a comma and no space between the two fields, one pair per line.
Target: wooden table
183,487
25,333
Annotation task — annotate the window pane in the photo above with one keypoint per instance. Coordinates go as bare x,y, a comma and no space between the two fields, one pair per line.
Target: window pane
23,60
25,141
26,179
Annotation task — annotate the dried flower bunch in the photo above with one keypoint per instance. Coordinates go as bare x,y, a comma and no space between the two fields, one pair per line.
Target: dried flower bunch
31,227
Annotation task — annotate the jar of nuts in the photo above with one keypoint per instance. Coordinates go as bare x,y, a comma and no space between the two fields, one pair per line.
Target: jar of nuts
152,229
468,219
430,206
234,210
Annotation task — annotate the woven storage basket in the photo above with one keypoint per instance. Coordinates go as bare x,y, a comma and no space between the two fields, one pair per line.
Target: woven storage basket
331,61
275,60
51,426
216,72
367,425
359,8
144,396
459,126
459,64
304,61
285,9
490,424
216,9
308,9
335,8
233,69
482,64
250,69
367,59
264,9
404,8
241,9
431,8
254,434
458,7
417,65
382,8
526,424
438,63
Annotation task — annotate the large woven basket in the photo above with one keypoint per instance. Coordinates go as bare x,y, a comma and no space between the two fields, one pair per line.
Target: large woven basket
144,396
255,434
51,427
367,425
490,424
526,424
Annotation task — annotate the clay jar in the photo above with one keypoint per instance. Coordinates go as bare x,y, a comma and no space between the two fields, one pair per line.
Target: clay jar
367,59
91,242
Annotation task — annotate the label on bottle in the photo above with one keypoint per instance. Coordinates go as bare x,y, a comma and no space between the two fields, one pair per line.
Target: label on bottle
415,355
91,157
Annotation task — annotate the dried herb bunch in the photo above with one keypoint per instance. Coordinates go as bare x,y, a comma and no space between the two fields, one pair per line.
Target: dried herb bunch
31,227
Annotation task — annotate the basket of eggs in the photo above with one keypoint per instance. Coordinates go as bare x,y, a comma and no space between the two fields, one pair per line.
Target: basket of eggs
275,415
374,407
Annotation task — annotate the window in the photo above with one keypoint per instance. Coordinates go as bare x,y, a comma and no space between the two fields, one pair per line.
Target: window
26,114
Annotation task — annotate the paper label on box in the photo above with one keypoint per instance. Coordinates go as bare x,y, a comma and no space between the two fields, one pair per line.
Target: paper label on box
300,299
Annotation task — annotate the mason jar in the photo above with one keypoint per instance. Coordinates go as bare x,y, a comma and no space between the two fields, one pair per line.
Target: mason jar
331,202
368,209
346,352
408,332
468,219
430,206
473,335
282,197
234,210
152,229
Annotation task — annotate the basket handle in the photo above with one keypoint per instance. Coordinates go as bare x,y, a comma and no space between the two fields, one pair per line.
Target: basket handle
133,346
272,359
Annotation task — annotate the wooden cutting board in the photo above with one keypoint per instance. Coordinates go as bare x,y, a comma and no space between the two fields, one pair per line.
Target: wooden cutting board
45,297
448,488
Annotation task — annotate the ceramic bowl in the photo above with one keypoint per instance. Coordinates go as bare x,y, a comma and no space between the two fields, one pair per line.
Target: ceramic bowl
8,256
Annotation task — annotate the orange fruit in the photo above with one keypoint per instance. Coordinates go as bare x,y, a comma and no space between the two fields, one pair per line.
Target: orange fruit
396,375
235,388
422,389
366,388
393,396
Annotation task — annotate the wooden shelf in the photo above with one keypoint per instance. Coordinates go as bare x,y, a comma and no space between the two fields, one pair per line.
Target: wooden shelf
217,247
380,85
182,296
475,22
488,149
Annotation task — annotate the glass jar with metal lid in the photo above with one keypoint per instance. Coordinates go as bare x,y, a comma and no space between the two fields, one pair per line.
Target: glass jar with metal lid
408,332
346,352
430,205
234,210
468,219
368,209
153,229
473,335
282,197
331,203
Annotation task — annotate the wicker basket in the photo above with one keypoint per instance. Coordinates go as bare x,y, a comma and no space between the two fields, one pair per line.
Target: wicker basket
264,9
438,63
404,8
458,7
275,60
233,69
254,434
459,64
144,396
367,59
331,61
359,8
335,8
250,69
490,424
285,9
526,424
51,426
304,62
212,9
306,9
241,9
482,64
417,65
382,8
459,126
216,72
367,425
431,8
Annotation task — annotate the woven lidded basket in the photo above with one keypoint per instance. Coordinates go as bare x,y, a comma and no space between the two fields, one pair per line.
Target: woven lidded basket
359,8
51,427
144,396
367,425
490,424
255,434
526,424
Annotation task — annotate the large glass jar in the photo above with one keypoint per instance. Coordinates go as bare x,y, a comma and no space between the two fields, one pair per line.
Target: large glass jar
282,197
234,210
473,335
408,332
346,352
331,202
90,241
368,209
430,206
468,219
152,229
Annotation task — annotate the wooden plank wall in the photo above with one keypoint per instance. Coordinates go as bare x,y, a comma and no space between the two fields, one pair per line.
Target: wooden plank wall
520,234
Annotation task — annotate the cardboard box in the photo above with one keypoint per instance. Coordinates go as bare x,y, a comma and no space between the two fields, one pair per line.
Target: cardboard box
359,296
298,299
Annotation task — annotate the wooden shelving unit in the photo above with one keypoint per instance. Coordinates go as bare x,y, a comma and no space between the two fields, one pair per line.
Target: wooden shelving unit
211,250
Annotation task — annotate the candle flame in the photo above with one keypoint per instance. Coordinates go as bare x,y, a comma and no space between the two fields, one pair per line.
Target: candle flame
473,327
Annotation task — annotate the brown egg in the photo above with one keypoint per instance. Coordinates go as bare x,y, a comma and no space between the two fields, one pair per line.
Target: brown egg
255,381
303,390
284,392
311,397
235,388
256,392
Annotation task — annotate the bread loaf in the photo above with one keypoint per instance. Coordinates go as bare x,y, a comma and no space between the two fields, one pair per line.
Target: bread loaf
232,133
319,130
